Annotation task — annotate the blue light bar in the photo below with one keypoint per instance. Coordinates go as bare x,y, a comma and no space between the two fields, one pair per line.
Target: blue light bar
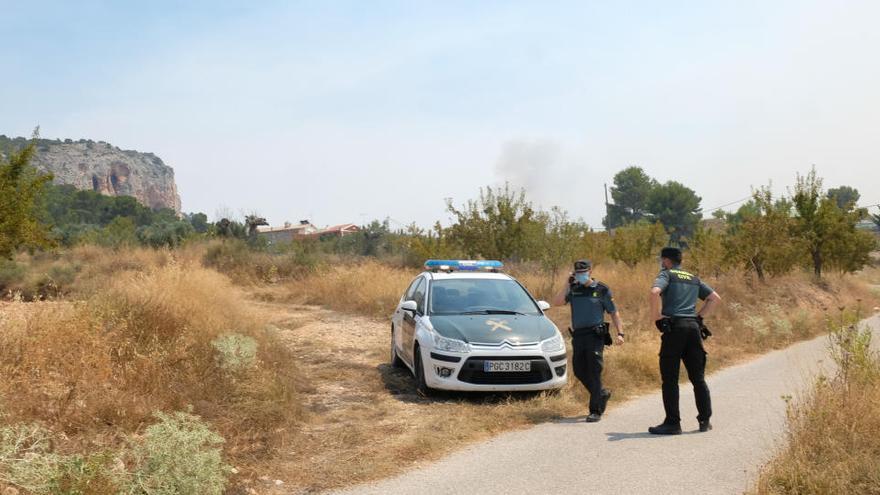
463,265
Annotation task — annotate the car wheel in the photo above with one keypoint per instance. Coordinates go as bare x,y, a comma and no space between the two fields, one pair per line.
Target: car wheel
421,386
396,362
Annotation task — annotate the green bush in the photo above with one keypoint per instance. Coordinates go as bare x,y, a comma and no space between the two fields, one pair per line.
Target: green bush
26,459
235,352
11,274
179,454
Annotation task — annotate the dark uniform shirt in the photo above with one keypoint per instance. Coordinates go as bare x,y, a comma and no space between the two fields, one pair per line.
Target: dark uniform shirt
680,290
589,304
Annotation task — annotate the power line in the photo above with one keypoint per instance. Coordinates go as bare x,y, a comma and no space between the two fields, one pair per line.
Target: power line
731,203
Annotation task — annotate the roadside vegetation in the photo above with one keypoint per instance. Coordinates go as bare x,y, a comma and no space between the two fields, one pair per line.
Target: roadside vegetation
157,360
133,340
832,442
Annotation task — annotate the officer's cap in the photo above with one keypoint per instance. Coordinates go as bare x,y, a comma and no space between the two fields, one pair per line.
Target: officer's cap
582,265
672,253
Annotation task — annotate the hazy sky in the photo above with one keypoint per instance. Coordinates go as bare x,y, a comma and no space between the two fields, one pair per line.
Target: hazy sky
348,111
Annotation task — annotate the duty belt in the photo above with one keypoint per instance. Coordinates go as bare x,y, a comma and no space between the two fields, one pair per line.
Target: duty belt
595,329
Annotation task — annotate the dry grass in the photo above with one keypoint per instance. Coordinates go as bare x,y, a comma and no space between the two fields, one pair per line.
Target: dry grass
97,369
367,288
833,436
140,337
364,420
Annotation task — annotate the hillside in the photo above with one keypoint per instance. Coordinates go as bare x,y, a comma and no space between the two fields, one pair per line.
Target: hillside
99,166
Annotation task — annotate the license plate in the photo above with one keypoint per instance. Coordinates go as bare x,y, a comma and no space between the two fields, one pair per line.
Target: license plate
502,366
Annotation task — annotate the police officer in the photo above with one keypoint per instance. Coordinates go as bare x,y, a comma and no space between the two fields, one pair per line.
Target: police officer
682,337
590,300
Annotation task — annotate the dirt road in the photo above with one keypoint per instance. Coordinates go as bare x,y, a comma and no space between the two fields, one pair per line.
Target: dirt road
617,456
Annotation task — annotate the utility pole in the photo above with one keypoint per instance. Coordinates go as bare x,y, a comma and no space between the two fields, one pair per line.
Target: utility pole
607,207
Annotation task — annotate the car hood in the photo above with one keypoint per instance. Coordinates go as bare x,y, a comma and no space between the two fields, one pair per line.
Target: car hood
494,329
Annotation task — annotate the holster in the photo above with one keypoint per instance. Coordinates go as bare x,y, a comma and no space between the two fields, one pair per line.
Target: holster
705,333
606,334
664,324
601,330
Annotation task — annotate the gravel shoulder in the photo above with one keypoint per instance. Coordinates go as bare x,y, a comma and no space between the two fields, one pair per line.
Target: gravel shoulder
618,456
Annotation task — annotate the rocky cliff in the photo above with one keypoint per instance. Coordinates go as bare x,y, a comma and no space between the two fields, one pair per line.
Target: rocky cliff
101,167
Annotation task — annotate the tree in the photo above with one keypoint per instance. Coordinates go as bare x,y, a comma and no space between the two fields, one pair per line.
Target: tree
876,219
227,228
251,222
845,197
498,225
434,244
705,251
828,231
760,239
637,242
373,236
20,189
630,192
560,242
676,207
199,222
118,233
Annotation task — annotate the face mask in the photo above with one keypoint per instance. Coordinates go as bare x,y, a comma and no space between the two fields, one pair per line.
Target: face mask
582,278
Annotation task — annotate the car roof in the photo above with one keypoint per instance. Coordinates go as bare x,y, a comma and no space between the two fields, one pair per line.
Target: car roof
468,275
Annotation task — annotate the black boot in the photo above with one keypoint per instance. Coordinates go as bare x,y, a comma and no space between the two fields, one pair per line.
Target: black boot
606,396
665,429
594,418
705,426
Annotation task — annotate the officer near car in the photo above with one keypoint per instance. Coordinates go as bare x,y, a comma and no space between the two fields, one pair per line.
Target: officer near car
673,305
590,300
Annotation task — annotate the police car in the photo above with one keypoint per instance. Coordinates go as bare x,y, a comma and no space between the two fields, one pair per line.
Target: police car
464,325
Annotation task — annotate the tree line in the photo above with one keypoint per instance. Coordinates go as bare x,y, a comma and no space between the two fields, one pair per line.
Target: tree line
769,236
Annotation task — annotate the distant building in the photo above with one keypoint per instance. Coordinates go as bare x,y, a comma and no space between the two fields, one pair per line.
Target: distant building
341,230
288,232
304,230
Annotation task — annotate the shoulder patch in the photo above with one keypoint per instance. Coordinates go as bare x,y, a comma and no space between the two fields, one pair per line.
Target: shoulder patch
601,289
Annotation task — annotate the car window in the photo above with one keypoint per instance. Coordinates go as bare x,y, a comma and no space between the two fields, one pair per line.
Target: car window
419,296
408,295
474,295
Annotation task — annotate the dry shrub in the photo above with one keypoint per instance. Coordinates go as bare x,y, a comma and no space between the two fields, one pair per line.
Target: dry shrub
144,343
247,265
834,433
369,287
76,272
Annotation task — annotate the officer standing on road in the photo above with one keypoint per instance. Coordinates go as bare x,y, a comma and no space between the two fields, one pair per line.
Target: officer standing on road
682,337
590,300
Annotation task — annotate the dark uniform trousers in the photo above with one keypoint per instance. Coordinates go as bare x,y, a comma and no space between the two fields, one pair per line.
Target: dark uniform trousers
587,348
684,343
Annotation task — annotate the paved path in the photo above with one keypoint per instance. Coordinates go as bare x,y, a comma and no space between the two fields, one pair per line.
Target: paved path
617,456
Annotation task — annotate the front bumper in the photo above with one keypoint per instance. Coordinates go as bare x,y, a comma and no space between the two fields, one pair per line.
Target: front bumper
460,371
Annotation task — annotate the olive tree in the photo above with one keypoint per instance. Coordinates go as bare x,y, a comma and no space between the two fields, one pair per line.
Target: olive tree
20,188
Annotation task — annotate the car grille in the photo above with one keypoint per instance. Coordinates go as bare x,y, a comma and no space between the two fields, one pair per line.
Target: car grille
472,371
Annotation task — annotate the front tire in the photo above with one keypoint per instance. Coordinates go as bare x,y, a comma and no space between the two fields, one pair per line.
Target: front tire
396,362
421,385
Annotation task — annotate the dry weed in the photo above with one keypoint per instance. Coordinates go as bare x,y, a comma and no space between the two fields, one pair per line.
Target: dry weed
145,343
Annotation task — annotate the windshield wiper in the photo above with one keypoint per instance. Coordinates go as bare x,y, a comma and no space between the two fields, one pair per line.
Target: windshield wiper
493,312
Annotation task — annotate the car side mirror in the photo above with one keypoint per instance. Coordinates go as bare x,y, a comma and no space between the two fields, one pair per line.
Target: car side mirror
410,306
544,305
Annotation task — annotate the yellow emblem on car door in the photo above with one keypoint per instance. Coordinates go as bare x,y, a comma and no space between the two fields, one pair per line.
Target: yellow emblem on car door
498,324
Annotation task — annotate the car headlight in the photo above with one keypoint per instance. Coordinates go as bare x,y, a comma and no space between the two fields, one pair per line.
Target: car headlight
451,345
553,344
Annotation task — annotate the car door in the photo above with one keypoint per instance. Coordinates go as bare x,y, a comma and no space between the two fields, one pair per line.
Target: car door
410,320
397,318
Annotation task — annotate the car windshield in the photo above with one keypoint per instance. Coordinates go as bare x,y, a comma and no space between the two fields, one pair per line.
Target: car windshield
480,296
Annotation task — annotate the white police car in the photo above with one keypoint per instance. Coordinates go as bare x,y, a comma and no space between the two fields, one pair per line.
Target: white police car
462,325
